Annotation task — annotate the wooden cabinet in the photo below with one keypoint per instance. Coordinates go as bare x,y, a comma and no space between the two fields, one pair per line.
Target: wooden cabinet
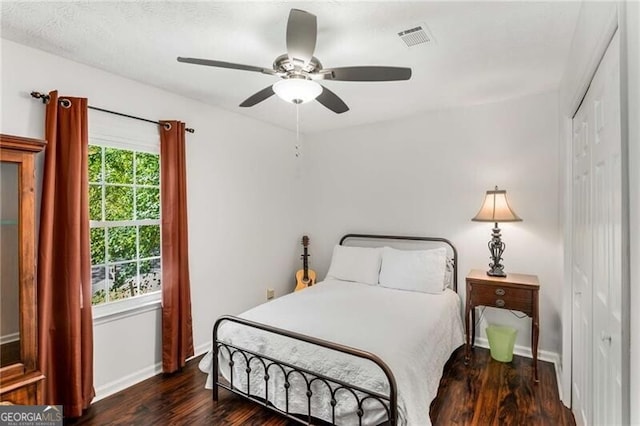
518,292
20,379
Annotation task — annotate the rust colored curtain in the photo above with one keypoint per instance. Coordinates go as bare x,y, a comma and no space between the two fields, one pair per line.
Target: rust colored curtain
65,327
177,337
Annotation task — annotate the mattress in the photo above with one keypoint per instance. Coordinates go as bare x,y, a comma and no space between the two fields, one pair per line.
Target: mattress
413,333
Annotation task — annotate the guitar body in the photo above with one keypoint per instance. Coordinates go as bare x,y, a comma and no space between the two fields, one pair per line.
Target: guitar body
305,277
301,284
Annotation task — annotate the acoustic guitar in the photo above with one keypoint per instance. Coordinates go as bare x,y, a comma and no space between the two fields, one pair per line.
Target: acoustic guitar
305,277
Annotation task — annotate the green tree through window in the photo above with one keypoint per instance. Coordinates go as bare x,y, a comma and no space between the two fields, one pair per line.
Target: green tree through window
124,210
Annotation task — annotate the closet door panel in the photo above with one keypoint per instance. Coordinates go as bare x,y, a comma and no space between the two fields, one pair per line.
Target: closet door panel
582,322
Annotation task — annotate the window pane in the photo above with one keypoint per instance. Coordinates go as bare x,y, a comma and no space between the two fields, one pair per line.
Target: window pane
123,281
118,203
97,246
148,206
98,285
95,202
149,241
147,169
122,243
124,186
95,163
118,165
150,276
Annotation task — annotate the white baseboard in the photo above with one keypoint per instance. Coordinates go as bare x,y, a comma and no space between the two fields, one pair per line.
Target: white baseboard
525,351
201,349
122,383
140,375
8,338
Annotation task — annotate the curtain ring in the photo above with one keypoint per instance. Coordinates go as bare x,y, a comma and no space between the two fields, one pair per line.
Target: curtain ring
66,103
167,126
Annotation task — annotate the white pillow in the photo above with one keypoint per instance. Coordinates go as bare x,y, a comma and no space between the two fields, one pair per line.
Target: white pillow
414,270
360,264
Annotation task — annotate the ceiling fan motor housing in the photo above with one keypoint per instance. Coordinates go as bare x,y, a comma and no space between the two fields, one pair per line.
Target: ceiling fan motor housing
284,65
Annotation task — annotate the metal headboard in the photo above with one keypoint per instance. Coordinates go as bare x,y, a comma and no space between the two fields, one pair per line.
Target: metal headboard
444,241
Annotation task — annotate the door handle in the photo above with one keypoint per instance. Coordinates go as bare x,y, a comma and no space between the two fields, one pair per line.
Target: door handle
605,338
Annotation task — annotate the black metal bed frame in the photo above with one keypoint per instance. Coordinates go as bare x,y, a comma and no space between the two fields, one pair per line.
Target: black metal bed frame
334,386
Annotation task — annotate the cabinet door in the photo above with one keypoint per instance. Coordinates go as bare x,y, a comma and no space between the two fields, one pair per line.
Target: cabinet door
20,379
9,263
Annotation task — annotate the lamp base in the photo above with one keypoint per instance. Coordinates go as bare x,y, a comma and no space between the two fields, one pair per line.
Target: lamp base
497,272
496,248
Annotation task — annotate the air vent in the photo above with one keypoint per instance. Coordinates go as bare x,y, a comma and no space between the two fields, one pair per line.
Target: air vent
416,35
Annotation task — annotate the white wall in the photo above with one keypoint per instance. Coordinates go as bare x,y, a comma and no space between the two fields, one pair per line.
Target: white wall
427,175
595,19
242,183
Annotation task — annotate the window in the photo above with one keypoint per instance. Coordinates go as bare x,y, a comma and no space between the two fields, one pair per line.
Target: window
124,212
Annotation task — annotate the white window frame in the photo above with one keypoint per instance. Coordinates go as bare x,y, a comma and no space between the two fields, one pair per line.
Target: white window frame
114,132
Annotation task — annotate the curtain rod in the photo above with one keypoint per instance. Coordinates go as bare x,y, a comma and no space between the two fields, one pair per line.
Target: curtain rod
45,99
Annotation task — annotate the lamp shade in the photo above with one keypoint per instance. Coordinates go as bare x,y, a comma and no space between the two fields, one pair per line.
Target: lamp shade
495,208
297,90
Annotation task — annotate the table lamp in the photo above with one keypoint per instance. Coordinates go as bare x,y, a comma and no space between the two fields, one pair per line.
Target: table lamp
495,208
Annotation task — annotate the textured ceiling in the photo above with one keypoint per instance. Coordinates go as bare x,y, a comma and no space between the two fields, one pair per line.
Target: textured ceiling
484,51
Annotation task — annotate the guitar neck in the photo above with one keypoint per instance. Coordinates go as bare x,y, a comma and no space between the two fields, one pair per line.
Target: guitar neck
305,265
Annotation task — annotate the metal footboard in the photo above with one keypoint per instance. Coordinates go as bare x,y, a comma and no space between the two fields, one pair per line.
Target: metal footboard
337,388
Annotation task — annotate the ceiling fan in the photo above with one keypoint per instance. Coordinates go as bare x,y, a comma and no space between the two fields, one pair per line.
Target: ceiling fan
299,69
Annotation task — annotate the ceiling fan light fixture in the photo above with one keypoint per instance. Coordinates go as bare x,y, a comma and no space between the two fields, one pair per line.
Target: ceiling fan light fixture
297,90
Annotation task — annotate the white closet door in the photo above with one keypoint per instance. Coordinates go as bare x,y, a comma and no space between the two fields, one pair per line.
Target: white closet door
581,270
607,243
597,248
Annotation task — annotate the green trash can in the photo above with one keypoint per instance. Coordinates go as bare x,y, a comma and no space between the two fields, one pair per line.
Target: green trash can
501,340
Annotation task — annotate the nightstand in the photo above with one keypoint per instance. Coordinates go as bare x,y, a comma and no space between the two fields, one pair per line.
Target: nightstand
518,292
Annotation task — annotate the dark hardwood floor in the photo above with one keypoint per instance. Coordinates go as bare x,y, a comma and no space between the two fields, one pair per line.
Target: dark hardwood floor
485,392
488,392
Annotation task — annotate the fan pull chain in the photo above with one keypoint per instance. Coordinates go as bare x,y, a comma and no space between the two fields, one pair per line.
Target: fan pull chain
297,131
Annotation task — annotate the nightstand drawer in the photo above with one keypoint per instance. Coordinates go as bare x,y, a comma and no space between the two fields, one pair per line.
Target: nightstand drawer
502,297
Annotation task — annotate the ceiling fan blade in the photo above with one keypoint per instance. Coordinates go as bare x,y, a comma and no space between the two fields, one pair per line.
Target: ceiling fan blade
220,64
258,97
367,73
302,31
332,101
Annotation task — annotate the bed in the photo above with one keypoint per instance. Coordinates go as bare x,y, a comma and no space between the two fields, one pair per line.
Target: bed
346,352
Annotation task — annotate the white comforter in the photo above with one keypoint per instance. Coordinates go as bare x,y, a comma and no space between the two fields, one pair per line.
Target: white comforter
414,333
